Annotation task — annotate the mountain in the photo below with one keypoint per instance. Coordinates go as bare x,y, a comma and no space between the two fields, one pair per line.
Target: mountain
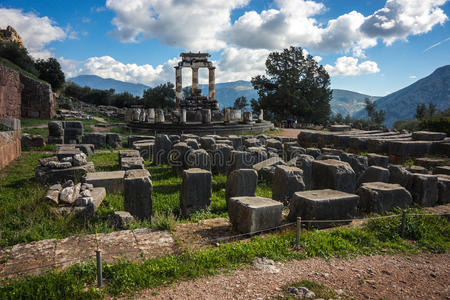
348,102
96,82
344,102
401,105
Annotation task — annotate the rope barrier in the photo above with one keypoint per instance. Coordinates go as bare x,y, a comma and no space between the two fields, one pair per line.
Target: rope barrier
219,239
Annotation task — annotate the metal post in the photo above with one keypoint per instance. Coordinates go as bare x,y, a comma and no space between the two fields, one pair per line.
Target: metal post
403,224
299,228
99,268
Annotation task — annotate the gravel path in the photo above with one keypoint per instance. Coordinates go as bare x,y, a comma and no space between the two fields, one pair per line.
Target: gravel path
424,276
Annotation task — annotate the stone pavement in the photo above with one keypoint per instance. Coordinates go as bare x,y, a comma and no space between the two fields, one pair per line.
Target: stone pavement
35,257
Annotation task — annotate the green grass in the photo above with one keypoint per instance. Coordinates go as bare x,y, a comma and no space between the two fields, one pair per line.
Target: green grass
25,217
126,277
321,291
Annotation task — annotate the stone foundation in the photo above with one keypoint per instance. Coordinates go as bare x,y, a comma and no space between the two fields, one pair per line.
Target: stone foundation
10,147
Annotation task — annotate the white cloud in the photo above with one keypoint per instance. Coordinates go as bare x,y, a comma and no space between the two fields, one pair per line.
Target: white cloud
294,23
412,77
193,25
36,32
348,66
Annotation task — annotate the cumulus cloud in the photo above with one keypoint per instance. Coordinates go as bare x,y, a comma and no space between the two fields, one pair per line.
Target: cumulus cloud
349,66
193,25
412,77
294,23
36,32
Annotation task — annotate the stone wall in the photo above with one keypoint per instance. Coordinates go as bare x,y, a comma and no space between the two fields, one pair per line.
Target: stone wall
9,147
10,93
37,99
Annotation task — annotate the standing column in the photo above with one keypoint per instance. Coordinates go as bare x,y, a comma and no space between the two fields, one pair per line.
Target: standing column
178,87
194,80
212,83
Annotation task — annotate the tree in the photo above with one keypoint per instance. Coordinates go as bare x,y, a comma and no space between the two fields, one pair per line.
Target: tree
431,110
421,110
377,117
18,55
50,71
240,102
294,85
161,96
187,92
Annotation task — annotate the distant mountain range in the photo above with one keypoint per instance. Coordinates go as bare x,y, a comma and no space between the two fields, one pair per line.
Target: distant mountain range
398,105
344,102
401,105
96,82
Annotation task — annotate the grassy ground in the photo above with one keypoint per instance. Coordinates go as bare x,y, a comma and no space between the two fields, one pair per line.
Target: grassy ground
425,233
25,217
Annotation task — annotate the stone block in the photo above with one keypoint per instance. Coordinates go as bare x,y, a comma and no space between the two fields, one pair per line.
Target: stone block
273,143
443,189
442,170
286,181
207,143
377,160
195,192
241,182
120,219
46,175
398,174
131,163
138,193
253,214
340,128
358,163
127,153
407,149
431,162
113,181
135,138
199,159
379,197
374,174
87,149
162,147
193,143
304,162
314,152
178,157
221,158
241,160
324,204
328,156
424,189
273,161
333,174
236,140
96,139
259,154
417,170
113,140
428,136
145,148
252,142
55,129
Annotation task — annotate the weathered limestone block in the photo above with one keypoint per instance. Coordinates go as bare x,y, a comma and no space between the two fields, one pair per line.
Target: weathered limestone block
428,136
287,180
378,160
333,174
358,163
323,204
120,219
127,153
221,158
398,174
241,182
431,162
259,154
417,170
304,162
178,157
46,175
113,140
199,159
192,143
294,151
444,189
206,116
207,143
253,214
136,138
131,163
72,130
145,148
162,147
273,143
32,140
424,189
340,128
113,181
442,170
314,152
328,156
196,188
138,193
79,159
374,174
236,140
247,117
241,160
406,149
252,142
379,197
96,139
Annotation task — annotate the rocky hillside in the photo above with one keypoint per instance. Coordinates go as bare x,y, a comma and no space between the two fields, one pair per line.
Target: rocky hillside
348,102
96,82
401,105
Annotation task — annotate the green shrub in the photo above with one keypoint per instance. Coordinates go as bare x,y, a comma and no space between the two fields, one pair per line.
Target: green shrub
441,124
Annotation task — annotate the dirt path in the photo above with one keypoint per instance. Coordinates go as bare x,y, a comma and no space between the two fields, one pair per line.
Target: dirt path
287,132
365,277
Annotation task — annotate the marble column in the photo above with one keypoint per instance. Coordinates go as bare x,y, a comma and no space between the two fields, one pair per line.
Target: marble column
212,83
183,116
178,87
194,80
227,115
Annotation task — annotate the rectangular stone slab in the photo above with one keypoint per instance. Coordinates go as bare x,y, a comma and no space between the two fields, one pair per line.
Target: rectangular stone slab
324,204
252,214
111,181
52,176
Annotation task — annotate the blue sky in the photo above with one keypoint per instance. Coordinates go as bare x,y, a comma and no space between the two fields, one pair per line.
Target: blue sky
372,47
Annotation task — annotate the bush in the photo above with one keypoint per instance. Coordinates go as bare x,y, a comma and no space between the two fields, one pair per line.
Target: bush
19,56
50,71
441,124
410,125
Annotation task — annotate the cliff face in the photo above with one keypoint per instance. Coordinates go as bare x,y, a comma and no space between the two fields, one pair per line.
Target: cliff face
10,35
23,96
10,93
